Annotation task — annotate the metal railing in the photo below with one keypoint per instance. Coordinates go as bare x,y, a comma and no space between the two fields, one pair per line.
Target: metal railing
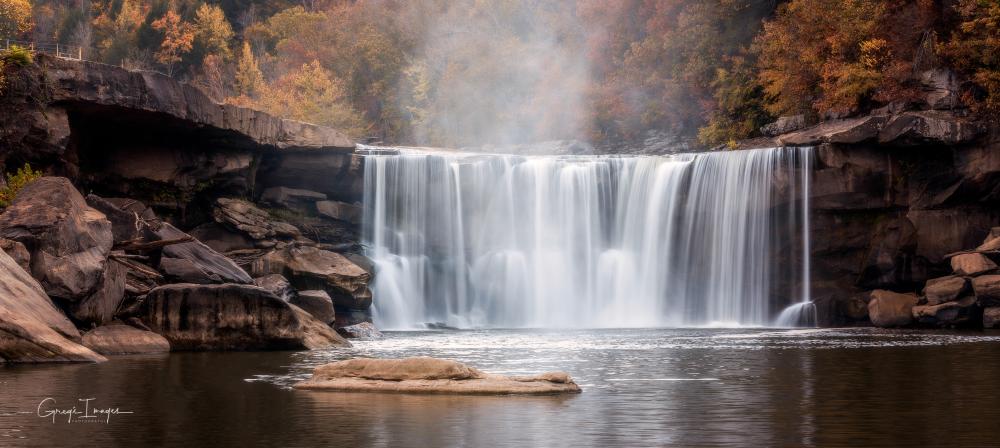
64,51
72,52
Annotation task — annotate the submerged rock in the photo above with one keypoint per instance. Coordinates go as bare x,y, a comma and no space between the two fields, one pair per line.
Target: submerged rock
430,376
231,317
32,329
890,309
121,339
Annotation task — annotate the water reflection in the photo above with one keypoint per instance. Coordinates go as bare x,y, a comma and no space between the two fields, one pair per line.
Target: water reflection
641,388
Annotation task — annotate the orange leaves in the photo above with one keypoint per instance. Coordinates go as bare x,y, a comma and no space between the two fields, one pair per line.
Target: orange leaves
15,17
178,39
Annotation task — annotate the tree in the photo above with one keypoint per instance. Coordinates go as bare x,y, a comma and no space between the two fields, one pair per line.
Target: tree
212,32
312,95
15,18
178,39
249,79
116,30
972,49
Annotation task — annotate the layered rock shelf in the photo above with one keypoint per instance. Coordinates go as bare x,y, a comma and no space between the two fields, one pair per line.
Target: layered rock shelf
430,376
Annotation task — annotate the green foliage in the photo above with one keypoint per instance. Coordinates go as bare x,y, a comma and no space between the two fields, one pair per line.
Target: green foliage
17,55
15,182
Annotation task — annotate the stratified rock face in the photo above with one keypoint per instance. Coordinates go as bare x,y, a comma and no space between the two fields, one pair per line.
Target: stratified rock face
317,303
972,264
68,240
853,130
311,268
278,285
430,376
32,329
120,339
923,127
195,262
890,309
363,330
945,289
231,317
144,91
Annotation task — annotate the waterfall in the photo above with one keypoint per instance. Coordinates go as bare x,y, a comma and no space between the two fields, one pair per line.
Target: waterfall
476,240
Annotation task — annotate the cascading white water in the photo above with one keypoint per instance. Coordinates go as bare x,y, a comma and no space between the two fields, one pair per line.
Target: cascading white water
473,240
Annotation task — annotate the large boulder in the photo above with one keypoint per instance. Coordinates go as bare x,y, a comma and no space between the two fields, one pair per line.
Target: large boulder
312,268
220,238
972,264
945,289
121,339
987,290
429,376
890,309
231,317
317,303
950,314
32,329
99,307
195,262
68,240
784,125
251,220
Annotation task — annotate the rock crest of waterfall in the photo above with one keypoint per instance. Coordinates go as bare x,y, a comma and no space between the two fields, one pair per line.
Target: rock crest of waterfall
476,240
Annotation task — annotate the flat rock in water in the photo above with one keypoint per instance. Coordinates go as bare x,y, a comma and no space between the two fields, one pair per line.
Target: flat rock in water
430,376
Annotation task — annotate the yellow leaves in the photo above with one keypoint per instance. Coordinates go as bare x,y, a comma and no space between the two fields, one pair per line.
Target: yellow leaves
15,18
249,79
212,30
310,94
973,49
875,53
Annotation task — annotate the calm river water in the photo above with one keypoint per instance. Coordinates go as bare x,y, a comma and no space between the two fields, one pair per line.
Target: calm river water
672,387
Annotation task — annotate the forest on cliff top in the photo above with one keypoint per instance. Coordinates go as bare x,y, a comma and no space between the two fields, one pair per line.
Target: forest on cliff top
462,72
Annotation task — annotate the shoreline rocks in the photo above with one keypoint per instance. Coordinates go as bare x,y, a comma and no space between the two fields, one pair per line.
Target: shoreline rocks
231,317
121,339
430,376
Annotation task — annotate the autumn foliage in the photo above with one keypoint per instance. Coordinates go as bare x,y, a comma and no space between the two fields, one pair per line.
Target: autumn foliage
457,72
